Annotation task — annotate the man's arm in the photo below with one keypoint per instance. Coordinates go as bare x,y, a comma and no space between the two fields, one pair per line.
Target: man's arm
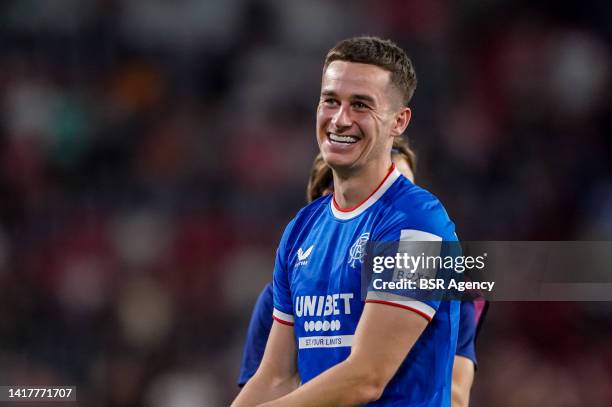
383,338
277,375
463,376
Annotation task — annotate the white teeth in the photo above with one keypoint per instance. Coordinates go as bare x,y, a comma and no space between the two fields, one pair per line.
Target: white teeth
342,139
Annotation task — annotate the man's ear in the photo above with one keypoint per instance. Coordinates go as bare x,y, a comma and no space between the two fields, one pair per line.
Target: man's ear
401,121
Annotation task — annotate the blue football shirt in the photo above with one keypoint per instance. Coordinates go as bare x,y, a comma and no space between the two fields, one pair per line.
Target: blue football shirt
317,286
261,322
257,335
467,331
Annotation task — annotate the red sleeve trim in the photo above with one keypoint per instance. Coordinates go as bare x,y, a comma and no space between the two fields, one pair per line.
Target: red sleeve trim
281,321
421,313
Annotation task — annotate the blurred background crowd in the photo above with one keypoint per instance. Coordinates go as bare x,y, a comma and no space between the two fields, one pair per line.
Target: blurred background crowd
152,152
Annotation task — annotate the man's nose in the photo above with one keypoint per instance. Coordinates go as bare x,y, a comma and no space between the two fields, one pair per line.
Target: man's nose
342,118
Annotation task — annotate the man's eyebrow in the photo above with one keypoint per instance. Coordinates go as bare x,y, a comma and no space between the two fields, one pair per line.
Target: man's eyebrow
364,98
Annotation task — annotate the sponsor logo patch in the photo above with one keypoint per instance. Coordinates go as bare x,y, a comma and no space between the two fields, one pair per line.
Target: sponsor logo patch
302,256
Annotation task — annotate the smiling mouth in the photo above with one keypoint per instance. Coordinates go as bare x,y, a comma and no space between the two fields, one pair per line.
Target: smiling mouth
335,138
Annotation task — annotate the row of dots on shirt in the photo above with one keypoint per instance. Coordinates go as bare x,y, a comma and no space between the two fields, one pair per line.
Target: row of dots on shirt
322,325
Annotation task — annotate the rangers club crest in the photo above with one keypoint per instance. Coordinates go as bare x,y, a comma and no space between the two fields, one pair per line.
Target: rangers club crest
358,249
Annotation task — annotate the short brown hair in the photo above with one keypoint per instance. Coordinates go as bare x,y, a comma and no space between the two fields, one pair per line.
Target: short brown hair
379,52
321,176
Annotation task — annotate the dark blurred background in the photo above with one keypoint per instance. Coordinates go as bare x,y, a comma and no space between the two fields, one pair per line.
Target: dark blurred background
153,150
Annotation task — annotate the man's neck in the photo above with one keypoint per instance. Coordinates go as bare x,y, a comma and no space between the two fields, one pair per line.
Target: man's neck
351,190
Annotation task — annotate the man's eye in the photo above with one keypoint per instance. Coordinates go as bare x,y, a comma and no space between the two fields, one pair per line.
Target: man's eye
330,102
360,105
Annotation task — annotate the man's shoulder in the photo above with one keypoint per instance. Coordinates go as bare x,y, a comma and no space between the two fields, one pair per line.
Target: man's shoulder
307,214
412,206
410,199
315,208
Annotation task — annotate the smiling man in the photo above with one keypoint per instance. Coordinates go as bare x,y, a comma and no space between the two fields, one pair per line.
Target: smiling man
328,346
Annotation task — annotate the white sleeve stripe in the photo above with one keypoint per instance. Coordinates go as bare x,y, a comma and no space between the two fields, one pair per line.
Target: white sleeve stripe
413,235
281,315
410,303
